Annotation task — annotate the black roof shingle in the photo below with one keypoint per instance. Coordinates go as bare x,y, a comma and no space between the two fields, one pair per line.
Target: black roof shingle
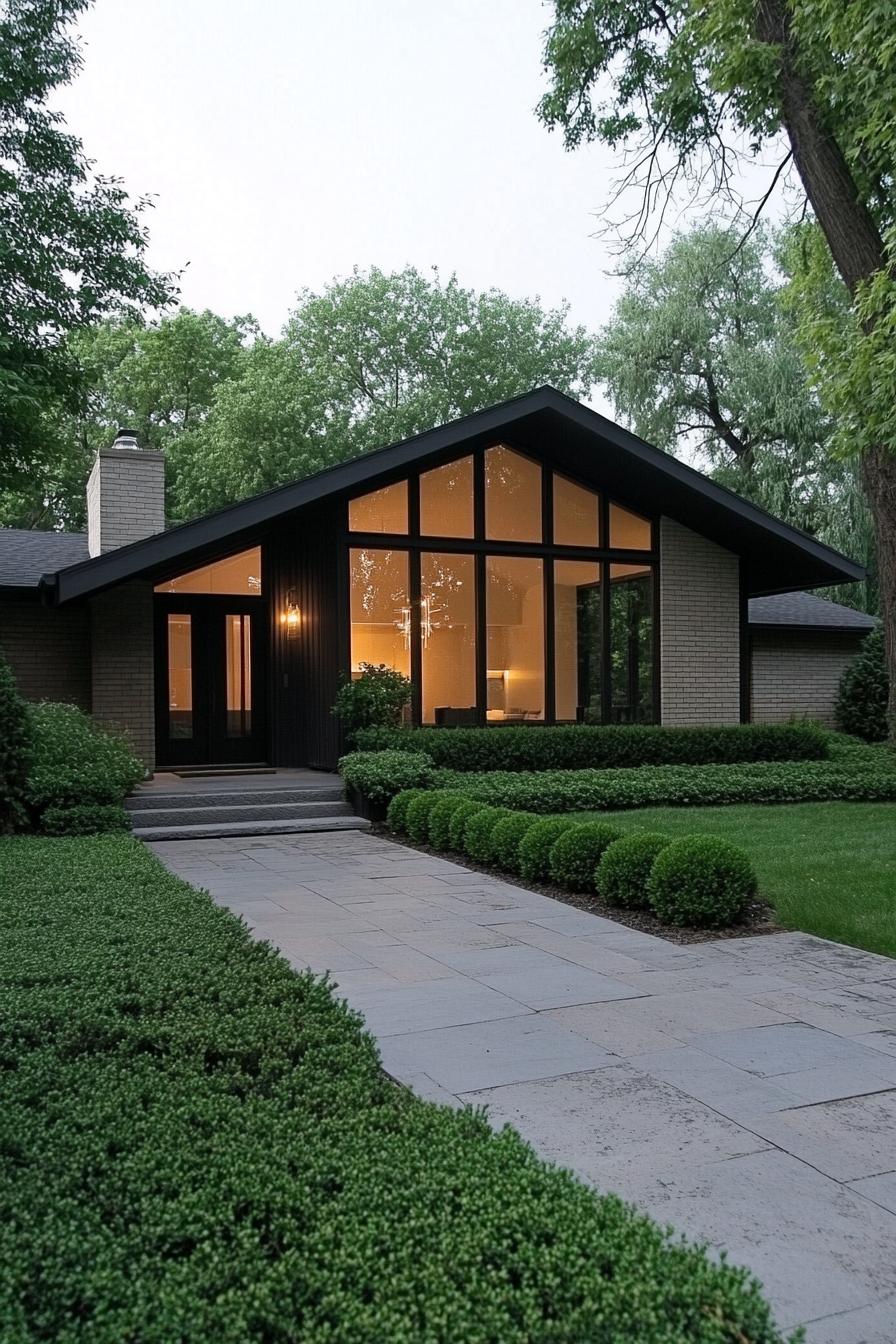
808,611
26,556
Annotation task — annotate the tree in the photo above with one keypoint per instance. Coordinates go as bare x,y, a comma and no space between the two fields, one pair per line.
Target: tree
862,695
373,358
73,245
687,84
702,357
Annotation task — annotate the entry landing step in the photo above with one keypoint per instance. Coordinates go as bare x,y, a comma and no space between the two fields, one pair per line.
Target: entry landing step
223,771
233,829
151,801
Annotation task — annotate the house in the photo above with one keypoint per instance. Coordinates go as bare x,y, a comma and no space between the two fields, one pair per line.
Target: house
533,563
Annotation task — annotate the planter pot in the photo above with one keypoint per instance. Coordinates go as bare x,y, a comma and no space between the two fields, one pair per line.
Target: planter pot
366,807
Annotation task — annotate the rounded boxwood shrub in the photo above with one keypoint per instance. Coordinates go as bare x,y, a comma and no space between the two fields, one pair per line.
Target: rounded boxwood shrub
700,881
440,815
478,833
85,819
506,839
536,844
397,815
577,851
621,876
458,823
417,819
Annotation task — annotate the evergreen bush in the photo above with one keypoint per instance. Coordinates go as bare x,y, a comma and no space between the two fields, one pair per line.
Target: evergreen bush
15,750
397,815
478,833
861,707
536,844
576,853
458,824
623,871
700,881
506,839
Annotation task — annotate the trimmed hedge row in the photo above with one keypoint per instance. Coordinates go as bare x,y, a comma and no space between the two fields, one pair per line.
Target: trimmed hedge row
200,1144
582,746
706,883
379,775
846,780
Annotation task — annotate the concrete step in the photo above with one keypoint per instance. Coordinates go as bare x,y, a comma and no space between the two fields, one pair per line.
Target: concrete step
214,815
234,829
171,802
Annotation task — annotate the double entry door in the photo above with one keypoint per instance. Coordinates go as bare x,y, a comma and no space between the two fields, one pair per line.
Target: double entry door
210,678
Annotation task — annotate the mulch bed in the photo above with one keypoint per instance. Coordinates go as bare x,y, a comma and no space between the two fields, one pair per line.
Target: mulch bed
759,917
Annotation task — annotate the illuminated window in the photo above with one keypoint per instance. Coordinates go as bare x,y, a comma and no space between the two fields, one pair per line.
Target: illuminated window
180,675
238,574
515,649
446,500
576,514
448,638
512,496
628,532
577,641
238,635
631,644
383,510
381,626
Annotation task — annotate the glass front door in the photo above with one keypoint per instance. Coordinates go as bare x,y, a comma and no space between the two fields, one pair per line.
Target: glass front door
209,680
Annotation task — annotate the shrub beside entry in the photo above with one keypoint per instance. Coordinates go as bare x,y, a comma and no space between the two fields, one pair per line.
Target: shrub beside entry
623,871
701,881
379,775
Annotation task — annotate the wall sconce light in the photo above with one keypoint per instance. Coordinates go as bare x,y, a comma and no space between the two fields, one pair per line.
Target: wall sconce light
291,617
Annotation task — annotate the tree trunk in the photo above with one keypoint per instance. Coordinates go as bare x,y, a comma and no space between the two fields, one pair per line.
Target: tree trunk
858,252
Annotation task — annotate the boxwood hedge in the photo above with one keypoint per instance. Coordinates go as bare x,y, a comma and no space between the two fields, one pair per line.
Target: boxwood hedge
380,775
200,1144
582,746
506,839
623,872
700,880
576,853
479,830
847,779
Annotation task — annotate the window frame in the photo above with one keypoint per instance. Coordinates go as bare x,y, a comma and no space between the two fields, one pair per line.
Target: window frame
479,546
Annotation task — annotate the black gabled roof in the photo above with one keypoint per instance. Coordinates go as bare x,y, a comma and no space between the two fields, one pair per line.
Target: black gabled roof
25,556
776,557
808,612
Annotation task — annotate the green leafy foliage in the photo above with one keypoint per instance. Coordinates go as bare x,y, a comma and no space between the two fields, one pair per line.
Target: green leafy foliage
576,853
417,816
536,845
15,749
74,249
700,881
380,775
848,778
440,816
506,839
75,763
85,819
375,698
478,833
397,815
623,871
458,824
253,1172
583,746
861,707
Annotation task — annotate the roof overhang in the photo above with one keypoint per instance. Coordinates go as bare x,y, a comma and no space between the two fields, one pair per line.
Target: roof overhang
775,556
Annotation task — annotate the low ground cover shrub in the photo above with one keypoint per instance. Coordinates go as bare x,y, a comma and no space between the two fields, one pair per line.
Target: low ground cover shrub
700,881
76,764
85,819
417,815
253,1173
866,777
479,830
623,871
535,847
576,853
584,746
397,815
506,839
15,750
379,775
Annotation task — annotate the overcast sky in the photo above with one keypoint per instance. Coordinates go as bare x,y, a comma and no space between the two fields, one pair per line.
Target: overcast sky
287,141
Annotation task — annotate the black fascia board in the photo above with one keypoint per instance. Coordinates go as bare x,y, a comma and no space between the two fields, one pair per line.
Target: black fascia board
575,431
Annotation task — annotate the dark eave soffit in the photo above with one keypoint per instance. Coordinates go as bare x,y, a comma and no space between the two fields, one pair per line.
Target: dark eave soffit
778,557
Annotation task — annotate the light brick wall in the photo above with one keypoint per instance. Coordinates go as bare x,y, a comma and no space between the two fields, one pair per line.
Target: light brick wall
121,623
699,629
48,649
795,673
125,498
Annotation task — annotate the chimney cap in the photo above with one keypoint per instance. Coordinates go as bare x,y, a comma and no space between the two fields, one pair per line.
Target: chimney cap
126,438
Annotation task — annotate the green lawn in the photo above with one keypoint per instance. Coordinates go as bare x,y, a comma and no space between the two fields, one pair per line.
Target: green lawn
828,868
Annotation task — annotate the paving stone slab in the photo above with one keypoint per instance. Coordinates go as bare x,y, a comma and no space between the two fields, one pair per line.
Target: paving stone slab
435,1003
787,1048
880,1189
846,1140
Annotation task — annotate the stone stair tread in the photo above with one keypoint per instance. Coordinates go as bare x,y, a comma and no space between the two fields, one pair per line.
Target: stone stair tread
183,816
325,793
221,830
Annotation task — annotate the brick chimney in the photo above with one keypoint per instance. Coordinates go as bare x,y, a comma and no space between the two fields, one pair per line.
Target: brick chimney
125,494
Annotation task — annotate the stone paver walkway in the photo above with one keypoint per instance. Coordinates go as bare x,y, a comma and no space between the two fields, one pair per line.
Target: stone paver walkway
742,1090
